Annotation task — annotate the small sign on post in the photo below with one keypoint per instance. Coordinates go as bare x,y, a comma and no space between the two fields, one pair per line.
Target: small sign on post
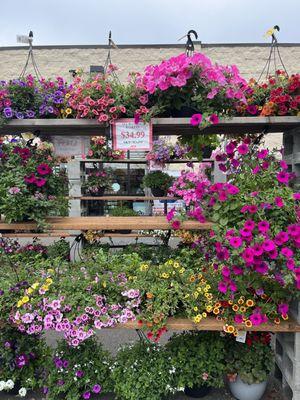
127,135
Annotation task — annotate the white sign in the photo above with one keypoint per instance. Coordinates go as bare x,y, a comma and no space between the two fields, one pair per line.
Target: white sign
67,146
127,135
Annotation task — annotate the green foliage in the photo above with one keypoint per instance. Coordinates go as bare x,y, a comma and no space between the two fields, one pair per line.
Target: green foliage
253,361
22,358
141,372
122,211
78,370
198,359
157,179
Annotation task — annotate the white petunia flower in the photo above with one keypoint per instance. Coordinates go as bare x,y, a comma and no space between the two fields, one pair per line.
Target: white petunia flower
22,392
10,384
2,385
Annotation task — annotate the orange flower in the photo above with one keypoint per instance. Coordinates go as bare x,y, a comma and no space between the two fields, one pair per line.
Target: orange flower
235,307
249,303
216,311
149,295
277,321
248,323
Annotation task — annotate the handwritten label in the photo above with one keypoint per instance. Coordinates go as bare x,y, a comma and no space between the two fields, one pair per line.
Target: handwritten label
127,135
67,146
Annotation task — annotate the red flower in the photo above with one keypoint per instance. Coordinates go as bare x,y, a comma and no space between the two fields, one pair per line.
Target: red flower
44,169
40,182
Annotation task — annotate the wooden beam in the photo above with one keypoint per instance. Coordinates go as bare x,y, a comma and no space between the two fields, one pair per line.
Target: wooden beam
212,324
162,126
123,198
104,223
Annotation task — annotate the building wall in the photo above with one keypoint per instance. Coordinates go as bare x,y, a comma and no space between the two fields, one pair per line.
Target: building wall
58,60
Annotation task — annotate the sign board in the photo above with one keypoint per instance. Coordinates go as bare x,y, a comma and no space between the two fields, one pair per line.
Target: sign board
68,146
127,135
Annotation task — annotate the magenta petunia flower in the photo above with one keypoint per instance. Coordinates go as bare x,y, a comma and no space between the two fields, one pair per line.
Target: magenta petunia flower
40,182
222,287
249,224
296,196
196,119
248,255
230,147
176,224
262,154
237,270
86,395
256,319
243,149
283,308
287,252
262,268
257,249
214,119
235,241
226,272
29,179
238,319
252,209
97,388
283,177
279,202
263,226
268,245
44,169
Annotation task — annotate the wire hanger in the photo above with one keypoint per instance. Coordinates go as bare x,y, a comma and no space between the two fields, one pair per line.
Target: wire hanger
30,56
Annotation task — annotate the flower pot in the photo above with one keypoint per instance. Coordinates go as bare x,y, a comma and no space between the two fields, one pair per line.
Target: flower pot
158,192
197,392
100,192
121,231
206,151
184,112
243,391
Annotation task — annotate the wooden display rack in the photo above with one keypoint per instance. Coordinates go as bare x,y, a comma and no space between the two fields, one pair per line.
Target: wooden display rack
161,126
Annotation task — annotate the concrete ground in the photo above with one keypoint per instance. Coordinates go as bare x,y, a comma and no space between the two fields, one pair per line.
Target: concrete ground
115,338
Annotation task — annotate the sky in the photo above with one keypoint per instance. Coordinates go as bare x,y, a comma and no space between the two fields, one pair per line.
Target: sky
147,21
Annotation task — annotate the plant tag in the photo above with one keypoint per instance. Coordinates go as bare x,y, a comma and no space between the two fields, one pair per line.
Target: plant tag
241,337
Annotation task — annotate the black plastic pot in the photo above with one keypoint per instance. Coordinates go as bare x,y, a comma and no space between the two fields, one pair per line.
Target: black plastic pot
197,392
121,231
206,151
158,192
100,192
184,112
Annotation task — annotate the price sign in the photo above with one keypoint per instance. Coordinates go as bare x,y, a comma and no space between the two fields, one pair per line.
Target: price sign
127,135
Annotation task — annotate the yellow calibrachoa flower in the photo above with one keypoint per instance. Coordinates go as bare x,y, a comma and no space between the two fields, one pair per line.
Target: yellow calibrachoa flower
19,303
25,299
45,288
176,264
35,285
230,328
187,296
196,294
196,308
243,309
209,309
29,290
209,296
165,275
204,315
68,111
67,95
181,271
197,318
49,281
50,271
216,311
144,267
104,284
230,302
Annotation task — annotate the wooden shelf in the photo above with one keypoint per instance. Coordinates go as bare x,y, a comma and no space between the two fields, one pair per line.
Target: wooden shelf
39,235
123,198
140,161
211,324
104,223
161,126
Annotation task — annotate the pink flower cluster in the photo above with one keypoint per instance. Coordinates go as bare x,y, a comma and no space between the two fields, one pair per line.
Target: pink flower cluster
59,316
95,99
177,71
